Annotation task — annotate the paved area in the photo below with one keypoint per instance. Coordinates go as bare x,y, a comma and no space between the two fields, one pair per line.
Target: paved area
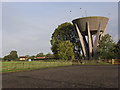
64,77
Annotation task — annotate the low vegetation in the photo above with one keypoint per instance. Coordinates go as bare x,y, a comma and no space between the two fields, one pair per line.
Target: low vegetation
29,65
13,66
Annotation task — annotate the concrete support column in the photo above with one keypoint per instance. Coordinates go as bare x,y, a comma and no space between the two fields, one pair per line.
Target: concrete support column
92,37
104,31
96,41
86,46
89,40
81,41
100,36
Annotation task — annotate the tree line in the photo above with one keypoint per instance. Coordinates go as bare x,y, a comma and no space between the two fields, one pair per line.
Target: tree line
13,56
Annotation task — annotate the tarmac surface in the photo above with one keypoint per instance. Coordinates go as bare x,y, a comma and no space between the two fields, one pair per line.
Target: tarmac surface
64,77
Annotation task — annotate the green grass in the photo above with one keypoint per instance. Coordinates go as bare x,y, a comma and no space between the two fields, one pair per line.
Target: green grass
14,66
26,65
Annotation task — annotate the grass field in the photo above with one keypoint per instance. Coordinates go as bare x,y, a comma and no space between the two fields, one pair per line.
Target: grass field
29,65
13,66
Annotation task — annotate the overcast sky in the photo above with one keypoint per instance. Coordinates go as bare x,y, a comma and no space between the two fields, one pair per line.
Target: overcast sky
28,27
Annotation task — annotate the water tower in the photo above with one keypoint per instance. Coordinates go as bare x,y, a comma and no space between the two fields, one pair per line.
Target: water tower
90,30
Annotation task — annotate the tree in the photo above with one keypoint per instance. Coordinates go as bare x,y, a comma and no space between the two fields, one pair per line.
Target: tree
117,50
40,55
106,47
64,50
0,58
7,58
32,57
27,56
12,56
49,56
65,32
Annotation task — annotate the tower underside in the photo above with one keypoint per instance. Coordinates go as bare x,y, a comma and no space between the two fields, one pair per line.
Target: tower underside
90,30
